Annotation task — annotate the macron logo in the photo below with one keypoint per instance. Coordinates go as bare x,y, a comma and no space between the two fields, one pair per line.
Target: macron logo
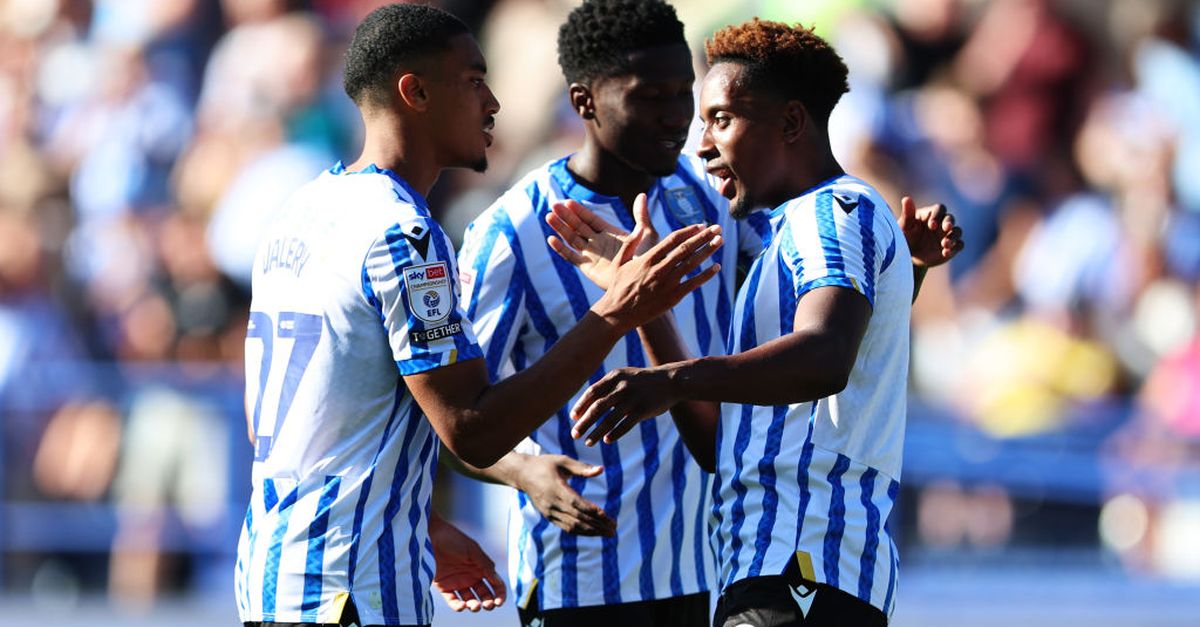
804,597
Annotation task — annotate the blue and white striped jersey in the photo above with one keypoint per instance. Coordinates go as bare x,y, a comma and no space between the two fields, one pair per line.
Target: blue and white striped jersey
353,287
521,297
816,481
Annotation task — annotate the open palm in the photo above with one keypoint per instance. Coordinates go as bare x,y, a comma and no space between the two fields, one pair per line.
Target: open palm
592,244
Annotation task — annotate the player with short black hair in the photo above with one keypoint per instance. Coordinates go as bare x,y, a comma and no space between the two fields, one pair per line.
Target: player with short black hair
598,37
359,358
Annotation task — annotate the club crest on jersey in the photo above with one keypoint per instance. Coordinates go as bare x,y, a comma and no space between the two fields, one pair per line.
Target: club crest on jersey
684,204
428,288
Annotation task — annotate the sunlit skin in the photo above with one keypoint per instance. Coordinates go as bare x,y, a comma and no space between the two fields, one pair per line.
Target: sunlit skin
765,150
440,116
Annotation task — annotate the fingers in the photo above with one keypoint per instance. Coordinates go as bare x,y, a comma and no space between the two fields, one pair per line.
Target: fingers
687,286
908,212
641,216
499,591
947,222
569,227
487,600
629,246
580,469
453,601
590,407
566,252
933,215
673,241
689,255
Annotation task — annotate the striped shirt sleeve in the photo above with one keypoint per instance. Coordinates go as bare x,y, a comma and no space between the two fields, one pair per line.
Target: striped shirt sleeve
493,283
409,277
832,241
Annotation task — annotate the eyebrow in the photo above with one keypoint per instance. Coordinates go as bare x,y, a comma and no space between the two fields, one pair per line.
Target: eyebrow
479,67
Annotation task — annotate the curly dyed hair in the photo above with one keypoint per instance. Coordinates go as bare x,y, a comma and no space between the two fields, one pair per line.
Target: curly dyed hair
387,39
598,36
790,61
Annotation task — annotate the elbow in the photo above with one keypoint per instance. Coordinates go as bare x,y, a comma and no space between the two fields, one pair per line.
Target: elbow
472,451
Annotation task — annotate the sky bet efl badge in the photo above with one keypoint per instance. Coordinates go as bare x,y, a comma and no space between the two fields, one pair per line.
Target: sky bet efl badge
429,297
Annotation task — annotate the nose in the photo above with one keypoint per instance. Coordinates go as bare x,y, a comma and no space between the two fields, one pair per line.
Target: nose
707,149
678,116
491,104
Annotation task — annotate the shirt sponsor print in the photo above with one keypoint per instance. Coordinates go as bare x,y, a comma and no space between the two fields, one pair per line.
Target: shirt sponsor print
428,290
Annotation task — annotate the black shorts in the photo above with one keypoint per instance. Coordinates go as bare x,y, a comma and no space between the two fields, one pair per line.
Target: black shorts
790,601
690,610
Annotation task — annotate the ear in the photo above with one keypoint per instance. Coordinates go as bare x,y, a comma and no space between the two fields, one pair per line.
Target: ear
795,121
412,92
582,101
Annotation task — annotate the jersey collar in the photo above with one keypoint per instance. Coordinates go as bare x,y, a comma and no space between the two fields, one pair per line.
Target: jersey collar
418,199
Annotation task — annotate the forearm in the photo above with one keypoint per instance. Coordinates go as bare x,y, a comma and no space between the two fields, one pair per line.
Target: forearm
796,368
696,420
506,412
504,472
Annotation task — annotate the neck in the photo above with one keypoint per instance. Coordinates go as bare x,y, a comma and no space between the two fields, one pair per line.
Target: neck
805,173
603,173
393,145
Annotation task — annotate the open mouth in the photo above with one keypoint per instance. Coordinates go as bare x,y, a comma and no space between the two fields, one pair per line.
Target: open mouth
726,179
488,126
672,143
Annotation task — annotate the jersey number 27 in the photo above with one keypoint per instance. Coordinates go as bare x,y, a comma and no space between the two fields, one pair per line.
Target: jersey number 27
305,332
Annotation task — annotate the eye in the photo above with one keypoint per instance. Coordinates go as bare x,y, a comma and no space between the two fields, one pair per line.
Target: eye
721,120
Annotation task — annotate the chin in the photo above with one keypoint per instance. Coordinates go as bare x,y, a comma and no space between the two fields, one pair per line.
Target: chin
480,165
740,207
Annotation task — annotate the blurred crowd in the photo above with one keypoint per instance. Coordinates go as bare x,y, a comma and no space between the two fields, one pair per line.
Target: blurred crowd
144,144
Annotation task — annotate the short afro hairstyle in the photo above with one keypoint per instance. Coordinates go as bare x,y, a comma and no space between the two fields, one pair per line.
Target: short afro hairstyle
790,61
389,38
599,35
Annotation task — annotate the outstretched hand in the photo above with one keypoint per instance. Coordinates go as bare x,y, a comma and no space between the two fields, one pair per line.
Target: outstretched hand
644,286
544,478
619,401
931,233
465,576
591,243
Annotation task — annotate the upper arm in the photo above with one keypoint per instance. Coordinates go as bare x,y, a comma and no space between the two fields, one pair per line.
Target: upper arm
833,258
839,317
833,244
408,276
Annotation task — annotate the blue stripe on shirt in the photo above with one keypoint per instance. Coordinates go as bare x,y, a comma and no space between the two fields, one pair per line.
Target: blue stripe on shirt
414,520
678,487
713,217
315,559
365,489
866,227
275,553
888,256
866,571
893,490
837,519
742,440
774,439
806,456
827,231
386,543
466,349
